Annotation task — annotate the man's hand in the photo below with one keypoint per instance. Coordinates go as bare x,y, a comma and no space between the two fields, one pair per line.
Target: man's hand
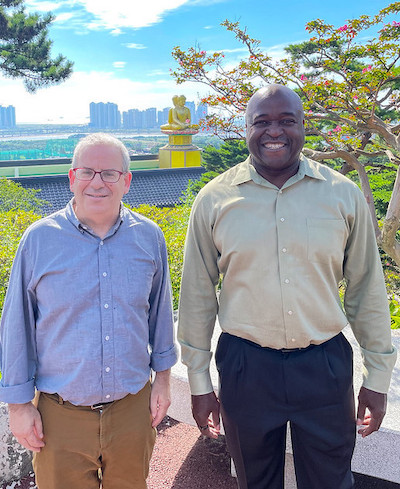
160,397
375,402
26,425
205,410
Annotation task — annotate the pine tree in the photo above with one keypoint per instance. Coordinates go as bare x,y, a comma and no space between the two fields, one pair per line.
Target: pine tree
25,47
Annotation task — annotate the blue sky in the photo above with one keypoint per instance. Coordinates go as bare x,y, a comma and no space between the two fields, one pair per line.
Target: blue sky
121,49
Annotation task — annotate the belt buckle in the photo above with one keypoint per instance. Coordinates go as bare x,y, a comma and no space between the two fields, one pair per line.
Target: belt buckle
98,406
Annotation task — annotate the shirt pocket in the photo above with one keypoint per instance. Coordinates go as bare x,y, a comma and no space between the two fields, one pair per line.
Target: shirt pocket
326,240
140,281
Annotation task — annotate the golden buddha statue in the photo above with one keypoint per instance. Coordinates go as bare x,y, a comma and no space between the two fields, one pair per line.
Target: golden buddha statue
178,116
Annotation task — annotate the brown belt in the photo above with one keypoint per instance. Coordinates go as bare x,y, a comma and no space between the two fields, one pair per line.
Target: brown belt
99,406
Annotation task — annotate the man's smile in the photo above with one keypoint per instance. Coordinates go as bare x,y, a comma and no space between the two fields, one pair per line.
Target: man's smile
96,196
273,146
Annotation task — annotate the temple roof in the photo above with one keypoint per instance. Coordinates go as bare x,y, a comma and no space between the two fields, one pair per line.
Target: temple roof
160,187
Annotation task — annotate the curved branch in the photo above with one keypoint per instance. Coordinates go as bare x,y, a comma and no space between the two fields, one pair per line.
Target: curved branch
356,165
391,223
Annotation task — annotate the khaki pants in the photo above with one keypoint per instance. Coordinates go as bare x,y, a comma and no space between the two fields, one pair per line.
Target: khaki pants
118,440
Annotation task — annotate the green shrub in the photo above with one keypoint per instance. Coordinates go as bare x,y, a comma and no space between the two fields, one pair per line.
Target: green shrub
13,196
12,225
394,306
173,222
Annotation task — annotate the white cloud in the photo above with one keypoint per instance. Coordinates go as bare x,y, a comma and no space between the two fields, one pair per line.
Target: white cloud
232,51
119,64
158,73
206,3
44,6
121,14
134,45
116,15
69,102
63,17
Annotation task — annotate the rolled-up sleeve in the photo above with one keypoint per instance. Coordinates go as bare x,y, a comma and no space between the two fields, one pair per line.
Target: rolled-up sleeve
18,359
161,324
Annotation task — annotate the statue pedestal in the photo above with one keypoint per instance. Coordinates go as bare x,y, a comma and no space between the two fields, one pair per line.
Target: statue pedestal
179,152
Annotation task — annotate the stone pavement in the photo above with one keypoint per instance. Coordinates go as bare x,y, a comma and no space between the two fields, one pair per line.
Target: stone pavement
377,455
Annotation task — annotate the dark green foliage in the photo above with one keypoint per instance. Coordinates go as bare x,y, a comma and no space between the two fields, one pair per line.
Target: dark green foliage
196,185
382,187
229,154
173,223
12,225
15,197
25,47
216,161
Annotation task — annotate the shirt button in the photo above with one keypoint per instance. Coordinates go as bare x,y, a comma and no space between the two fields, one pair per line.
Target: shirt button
101,243
107,338
284,250
293,340
104,274
105,306
108,369
108,396
282,219
280,191
290,313
287,280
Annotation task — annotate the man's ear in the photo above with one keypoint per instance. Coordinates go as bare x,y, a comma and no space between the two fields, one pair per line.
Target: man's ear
127,180
72,178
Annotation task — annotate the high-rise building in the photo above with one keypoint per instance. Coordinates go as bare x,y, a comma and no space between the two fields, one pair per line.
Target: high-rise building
132,119
162,116
102,116
202,111
105,115
150,118
191,106
7,116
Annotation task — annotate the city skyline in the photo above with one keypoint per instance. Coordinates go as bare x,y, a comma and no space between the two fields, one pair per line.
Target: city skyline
106,115
7,117
122,53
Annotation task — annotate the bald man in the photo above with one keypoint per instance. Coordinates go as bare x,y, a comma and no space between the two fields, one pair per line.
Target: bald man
282,231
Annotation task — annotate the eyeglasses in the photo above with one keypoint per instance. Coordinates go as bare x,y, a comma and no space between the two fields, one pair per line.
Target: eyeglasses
108,176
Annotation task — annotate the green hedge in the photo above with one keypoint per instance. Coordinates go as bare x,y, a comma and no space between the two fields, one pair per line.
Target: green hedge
12,225
173,222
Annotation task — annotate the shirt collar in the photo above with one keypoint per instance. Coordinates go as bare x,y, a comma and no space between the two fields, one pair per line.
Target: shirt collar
71,216
247,172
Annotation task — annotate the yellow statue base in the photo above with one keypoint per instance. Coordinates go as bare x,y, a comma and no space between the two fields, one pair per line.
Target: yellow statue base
179,152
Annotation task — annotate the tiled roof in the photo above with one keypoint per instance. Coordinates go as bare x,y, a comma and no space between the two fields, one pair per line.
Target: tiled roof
161,187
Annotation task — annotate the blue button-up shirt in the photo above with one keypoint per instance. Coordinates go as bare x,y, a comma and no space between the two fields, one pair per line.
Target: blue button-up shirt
85,317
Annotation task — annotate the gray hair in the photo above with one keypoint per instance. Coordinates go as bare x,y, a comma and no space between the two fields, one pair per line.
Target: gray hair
100,138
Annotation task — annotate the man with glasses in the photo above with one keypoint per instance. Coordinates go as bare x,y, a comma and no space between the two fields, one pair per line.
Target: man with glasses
87,318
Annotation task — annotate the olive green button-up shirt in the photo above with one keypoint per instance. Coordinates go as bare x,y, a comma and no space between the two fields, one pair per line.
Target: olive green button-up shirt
281,254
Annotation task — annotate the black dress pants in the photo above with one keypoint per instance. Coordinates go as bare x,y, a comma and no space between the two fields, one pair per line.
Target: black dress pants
262,389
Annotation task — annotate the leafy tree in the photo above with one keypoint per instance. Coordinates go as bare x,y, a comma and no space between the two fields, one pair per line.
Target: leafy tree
173,222
349,83
18,209
25,47
230,153
12,225
216,161
15,197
